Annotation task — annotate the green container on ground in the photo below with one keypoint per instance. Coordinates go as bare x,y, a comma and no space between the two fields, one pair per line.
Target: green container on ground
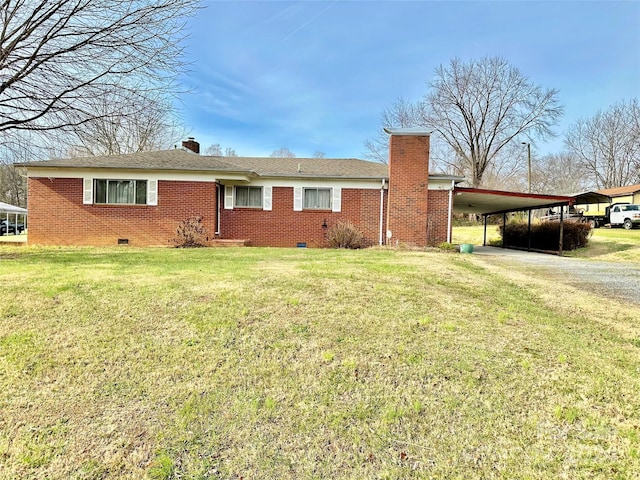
466,248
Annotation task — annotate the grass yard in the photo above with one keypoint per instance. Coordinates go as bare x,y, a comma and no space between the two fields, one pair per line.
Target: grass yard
609,244
474,234
292,363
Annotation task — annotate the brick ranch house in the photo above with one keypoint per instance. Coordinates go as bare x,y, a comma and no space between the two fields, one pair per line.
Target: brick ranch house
139,199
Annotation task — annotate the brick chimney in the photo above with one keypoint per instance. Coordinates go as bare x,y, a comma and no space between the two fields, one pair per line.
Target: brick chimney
407,212
191,144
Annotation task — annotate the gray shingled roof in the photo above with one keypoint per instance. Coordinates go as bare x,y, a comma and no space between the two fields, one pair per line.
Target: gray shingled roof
182,160
311,167
176,159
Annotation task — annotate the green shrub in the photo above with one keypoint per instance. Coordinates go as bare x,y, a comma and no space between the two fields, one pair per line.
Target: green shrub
546,235
190,233
345,234
448,247
495,242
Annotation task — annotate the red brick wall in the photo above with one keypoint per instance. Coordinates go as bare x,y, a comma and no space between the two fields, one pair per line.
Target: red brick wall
58,217
282,227
438,217
408,182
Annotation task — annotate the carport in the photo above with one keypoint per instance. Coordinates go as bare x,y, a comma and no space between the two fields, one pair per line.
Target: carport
7,210
496,202
591,198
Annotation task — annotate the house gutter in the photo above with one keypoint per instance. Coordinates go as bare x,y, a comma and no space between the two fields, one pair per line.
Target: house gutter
453,185
381,210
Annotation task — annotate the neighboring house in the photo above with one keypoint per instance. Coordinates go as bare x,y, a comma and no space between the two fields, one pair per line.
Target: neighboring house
139,199
610,196
628,194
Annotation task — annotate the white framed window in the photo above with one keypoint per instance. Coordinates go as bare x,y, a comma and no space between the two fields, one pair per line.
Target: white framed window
317,199
120,192
250,197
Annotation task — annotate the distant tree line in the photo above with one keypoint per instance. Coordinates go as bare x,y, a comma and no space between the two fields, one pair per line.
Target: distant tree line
91,77
481,112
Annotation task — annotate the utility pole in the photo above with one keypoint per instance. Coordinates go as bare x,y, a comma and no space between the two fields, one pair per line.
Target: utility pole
529,160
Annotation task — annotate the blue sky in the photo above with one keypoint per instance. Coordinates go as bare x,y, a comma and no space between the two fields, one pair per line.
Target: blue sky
315,76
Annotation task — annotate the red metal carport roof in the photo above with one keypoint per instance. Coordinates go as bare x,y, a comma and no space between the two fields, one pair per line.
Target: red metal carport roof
485,202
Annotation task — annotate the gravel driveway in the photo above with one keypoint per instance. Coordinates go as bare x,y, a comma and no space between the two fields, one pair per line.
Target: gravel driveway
619,279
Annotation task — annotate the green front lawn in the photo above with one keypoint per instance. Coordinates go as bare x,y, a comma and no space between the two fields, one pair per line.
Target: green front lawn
613,244
295,363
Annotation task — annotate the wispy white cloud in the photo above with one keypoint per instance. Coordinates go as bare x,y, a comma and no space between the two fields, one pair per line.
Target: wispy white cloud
287,12
304,24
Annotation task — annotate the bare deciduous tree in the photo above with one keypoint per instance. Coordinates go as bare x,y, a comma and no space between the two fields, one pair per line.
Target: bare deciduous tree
319,154
477,109
283,152
561,174
481,106
156,127
215,150
608,145
401,114
59,59
508,170
13,185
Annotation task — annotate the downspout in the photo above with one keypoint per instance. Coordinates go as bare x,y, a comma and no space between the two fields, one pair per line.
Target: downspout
381,210
453,185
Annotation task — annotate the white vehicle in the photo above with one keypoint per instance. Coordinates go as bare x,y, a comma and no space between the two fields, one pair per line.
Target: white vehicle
627,216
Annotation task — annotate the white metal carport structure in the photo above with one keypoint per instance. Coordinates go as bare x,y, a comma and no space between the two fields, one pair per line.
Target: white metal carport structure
7,209
496,202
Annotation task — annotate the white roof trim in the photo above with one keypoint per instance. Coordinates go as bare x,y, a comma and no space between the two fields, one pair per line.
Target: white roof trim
7,208
416,131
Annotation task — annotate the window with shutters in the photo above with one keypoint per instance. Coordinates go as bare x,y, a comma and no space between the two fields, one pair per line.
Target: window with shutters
317,199
250,197
121,192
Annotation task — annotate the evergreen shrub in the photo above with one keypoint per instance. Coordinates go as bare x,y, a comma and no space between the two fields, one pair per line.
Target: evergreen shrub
546,235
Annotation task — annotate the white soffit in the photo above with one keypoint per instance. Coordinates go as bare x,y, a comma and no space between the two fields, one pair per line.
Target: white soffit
480,201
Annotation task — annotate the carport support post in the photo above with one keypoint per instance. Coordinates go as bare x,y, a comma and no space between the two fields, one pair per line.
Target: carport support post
504,230
561,231
484,241
529,233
